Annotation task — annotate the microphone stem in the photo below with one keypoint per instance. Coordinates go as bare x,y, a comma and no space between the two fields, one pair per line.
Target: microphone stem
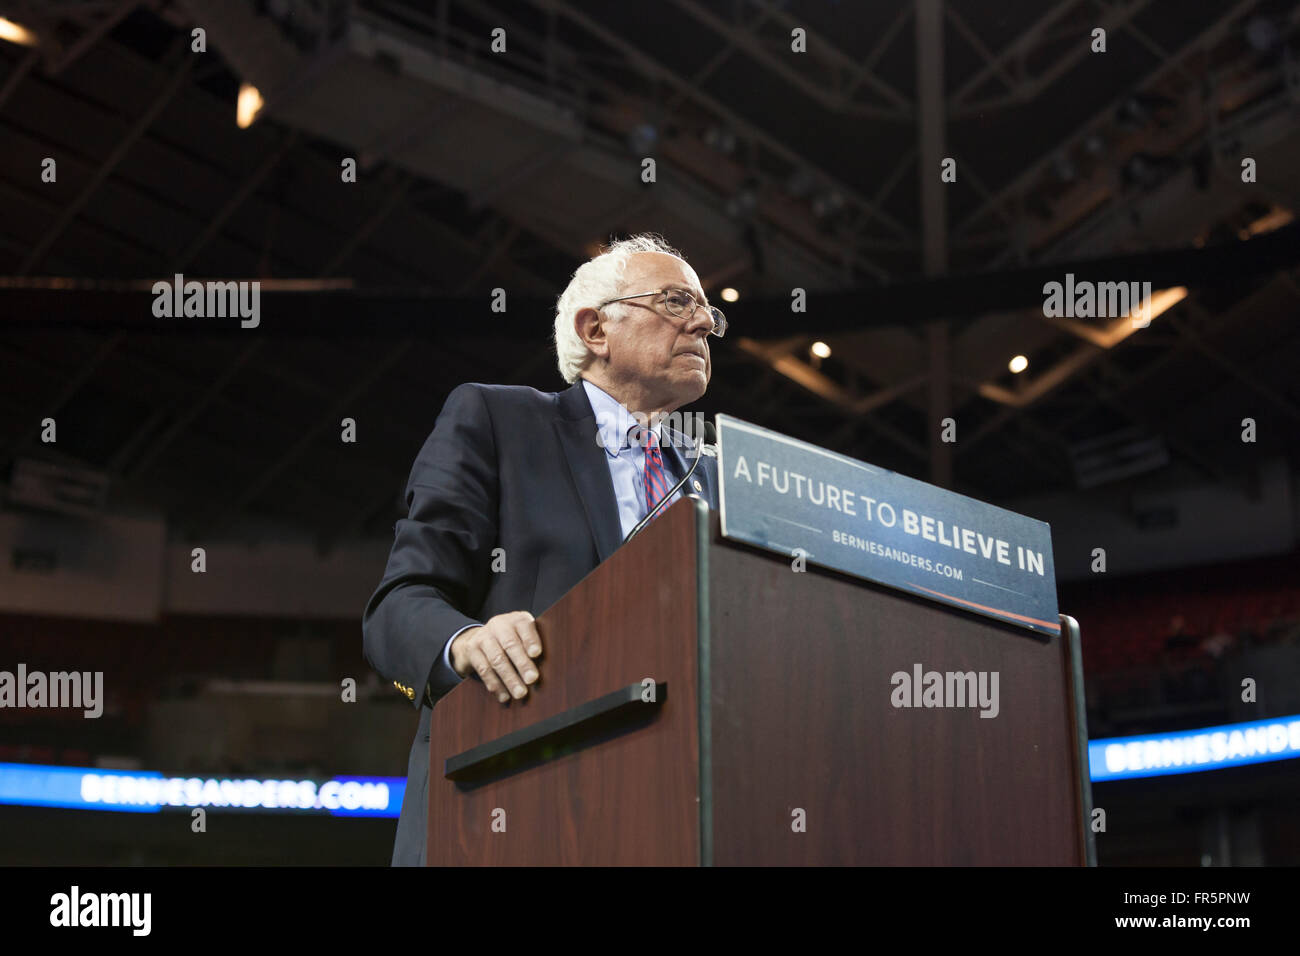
666,498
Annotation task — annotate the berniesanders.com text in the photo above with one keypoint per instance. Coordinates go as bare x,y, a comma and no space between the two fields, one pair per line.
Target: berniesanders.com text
896,554
122,789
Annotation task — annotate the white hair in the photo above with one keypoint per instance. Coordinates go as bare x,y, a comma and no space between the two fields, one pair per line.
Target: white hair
593,282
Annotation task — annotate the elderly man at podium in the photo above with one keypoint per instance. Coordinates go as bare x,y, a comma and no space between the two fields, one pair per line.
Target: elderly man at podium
518,494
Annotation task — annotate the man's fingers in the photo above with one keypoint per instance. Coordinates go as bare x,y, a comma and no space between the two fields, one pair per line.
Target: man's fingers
478,660
500,662
500,652
528,633
513,644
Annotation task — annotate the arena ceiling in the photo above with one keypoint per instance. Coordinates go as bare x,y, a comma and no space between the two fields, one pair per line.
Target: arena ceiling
774,171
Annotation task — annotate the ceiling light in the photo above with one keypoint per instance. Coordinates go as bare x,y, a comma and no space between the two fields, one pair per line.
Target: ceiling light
1018,364
248,105
15,34
729,294
821,350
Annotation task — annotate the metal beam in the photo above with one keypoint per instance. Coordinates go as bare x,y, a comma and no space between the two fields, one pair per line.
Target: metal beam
489,260
94,34
67,391
1133,414
311,435
408,132
819,47
116,240
236,200
636,54
930,147
1014,51
16,77
488,189
683,89
835,394
1015,403
859,73
330,418
1242,375
905,165
824,387
1053,378
1030,89
535,283
359,235
1160,52
187,417
357,522
931,134
1035,170
972,38
178,79
719,58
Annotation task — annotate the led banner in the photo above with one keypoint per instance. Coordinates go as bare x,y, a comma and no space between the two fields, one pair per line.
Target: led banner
147,791
797,499
1187,751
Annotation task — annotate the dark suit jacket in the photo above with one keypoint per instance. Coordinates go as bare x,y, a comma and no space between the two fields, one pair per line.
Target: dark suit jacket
505,467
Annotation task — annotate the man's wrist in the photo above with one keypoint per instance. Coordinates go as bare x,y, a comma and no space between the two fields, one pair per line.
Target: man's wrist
459,667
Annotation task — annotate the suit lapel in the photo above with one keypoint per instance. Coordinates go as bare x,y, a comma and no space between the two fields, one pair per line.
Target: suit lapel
675,448
585,457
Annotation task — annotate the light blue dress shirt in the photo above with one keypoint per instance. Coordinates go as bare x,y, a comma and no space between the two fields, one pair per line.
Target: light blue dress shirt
626,460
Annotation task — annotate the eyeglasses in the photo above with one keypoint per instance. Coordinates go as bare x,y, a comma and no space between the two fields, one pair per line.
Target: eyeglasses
681,304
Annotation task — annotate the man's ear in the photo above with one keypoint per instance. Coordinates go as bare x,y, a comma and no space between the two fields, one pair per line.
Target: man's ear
590,326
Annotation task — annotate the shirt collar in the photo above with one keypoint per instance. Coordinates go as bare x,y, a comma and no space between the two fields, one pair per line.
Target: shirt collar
613,420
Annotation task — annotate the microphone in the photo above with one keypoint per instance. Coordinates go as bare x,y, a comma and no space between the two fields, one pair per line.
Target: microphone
704,447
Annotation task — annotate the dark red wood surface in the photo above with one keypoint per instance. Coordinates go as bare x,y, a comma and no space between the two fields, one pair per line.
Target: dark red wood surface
630,799
802,718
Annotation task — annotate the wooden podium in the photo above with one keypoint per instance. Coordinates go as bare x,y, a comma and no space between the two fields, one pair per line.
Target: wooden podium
771,738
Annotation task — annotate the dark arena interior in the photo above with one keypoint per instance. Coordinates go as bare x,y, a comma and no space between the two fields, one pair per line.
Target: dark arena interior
895,205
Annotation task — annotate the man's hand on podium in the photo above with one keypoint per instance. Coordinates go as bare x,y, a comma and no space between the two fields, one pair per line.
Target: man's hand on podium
499,652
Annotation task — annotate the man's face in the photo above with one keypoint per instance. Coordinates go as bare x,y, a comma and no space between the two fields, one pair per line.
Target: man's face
665,356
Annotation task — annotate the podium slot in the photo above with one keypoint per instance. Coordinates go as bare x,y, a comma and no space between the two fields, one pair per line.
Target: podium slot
563,733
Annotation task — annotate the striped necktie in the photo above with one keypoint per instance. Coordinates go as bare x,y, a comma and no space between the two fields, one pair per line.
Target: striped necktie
655,478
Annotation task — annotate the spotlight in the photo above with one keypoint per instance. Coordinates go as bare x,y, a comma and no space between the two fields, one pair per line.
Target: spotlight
1018,364
248,105
17,34
729,294
821,350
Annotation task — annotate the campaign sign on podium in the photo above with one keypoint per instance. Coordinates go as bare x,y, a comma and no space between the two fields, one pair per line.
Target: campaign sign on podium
797,499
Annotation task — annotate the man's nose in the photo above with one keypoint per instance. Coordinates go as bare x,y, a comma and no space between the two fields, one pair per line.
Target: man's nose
700,322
